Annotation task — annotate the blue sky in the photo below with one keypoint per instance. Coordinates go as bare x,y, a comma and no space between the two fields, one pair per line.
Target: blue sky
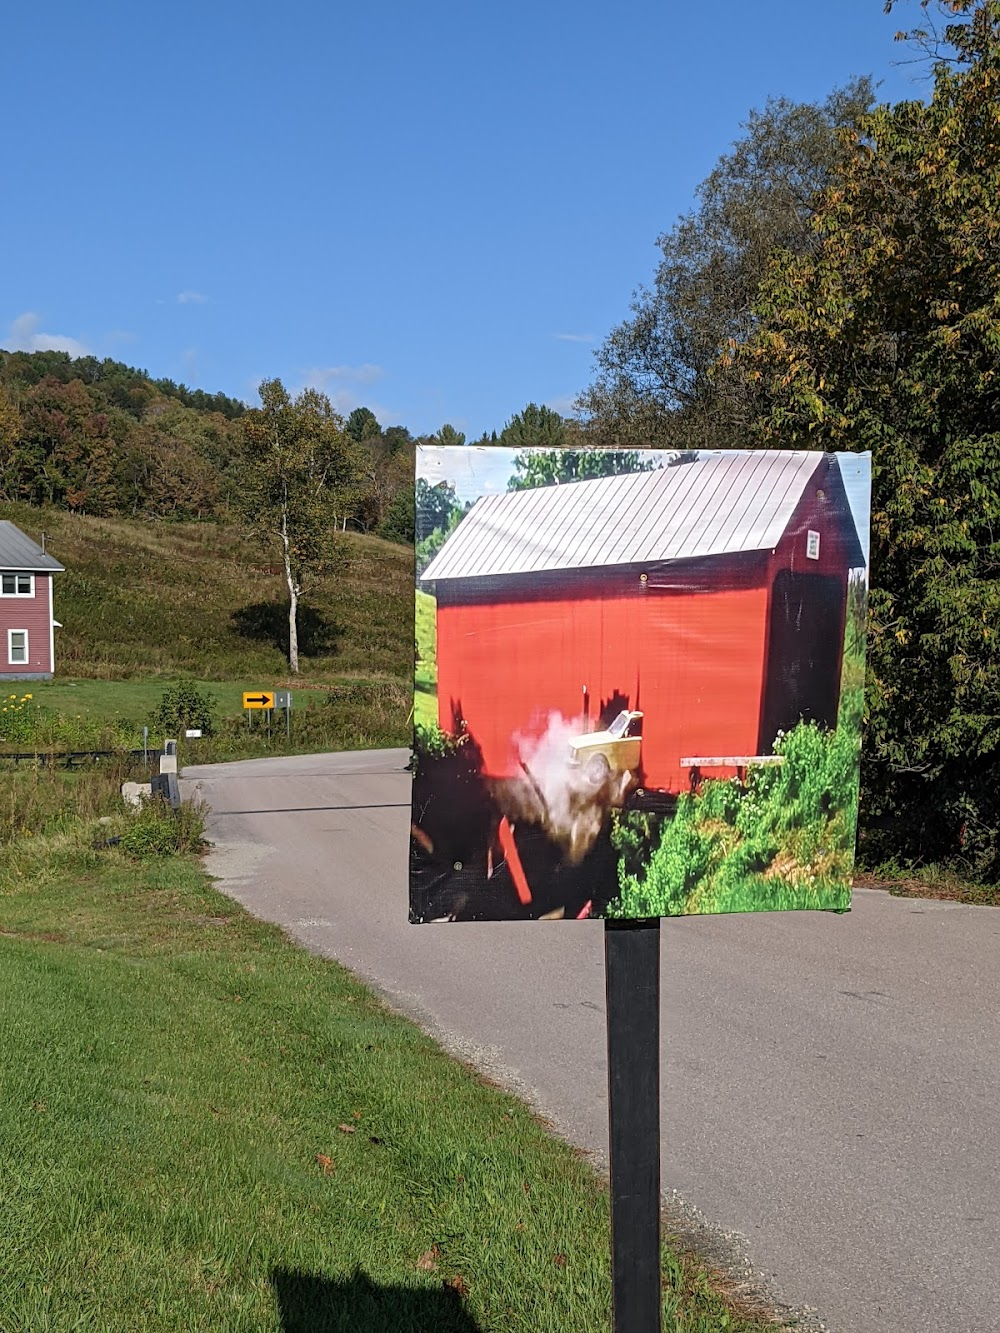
437,211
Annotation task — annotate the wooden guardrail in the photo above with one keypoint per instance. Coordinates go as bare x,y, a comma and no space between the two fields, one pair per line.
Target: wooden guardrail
77,758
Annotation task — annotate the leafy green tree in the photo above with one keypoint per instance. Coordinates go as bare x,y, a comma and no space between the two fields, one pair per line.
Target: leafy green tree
182,706
435,505
884,334
399,523
362,424
534,428
654,383
438,513
556,466
300,471
448,435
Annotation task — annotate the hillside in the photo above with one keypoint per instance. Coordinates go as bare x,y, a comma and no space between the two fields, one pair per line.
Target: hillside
145,604
103,438
142,599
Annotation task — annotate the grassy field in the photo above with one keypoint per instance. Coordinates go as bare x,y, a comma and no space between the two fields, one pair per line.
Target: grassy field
425,703
203,1126
353,714
141,600
144,605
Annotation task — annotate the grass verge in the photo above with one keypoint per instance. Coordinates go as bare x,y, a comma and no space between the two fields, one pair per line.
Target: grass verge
204,1127
350,714
929,882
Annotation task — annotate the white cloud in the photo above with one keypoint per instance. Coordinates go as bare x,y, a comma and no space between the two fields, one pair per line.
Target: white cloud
574,337
340,384
319,377
565,406
24,335
191,298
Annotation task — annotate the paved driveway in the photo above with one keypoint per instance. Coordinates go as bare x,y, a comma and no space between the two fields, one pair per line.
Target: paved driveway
830,1084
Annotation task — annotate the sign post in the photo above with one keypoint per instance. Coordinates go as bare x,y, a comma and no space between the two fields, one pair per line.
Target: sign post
283,699
535,751
632,976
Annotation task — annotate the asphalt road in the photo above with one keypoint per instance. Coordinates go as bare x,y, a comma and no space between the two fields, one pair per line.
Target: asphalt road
831,1090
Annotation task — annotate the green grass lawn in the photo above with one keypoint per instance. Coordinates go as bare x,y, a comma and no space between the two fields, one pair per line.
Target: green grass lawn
425,703
204,1127
350,714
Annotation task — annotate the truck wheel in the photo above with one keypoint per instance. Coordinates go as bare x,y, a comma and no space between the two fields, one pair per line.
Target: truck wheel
598,770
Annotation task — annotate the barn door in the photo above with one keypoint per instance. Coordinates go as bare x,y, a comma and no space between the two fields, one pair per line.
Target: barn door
802,672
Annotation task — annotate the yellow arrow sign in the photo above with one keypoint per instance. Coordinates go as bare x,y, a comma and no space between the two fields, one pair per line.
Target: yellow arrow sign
258,699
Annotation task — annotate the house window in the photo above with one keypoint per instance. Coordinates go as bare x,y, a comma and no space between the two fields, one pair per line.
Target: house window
17,585
17,646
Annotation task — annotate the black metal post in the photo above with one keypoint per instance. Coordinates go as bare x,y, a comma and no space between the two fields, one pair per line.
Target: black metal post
632,974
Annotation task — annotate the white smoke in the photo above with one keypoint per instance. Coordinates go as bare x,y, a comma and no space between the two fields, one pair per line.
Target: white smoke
558,792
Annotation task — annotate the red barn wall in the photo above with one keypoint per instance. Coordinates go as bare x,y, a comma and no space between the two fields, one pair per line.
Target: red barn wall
823,509
692,660
33,614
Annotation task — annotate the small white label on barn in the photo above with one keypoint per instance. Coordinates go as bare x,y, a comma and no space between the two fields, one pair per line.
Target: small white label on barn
812,545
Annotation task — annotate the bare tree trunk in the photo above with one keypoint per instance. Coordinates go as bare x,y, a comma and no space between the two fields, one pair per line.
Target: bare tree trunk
293,598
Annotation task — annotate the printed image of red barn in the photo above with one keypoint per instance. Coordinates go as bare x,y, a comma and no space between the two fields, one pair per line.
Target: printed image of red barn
27,625
711,595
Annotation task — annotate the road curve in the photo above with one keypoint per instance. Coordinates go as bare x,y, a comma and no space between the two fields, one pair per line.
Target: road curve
830,1084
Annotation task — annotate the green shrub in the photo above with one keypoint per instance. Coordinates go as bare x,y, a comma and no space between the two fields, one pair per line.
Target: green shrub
674,871
184,706
785,840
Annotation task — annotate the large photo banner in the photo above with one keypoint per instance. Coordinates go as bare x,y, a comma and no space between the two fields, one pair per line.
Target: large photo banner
639,682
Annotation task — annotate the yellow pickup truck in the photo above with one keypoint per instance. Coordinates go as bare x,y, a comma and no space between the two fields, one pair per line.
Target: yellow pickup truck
613,752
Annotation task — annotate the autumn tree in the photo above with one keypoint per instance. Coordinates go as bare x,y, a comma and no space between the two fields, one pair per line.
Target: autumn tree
884,334
299,471
10,436
654,382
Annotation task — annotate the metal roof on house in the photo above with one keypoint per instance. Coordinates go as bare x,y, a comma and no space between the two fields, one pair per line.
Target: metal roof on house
19,552
723,502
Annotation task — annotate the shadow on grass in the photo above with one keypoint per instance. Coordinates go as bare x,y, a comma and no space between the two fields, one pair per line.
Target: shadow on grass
268,622
309,1303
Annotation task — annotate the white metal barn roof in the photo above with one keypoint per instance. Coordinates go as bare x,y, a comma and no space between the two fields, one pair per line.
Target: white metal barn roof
18,551
724,502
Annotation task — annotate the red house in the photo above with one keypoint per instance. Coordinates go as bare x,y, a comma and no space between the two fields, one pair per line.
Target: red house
27,626
711,595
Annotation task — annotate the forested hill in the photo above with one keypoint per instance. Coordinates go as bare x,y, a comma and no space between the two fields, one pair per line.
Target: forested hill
103,438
